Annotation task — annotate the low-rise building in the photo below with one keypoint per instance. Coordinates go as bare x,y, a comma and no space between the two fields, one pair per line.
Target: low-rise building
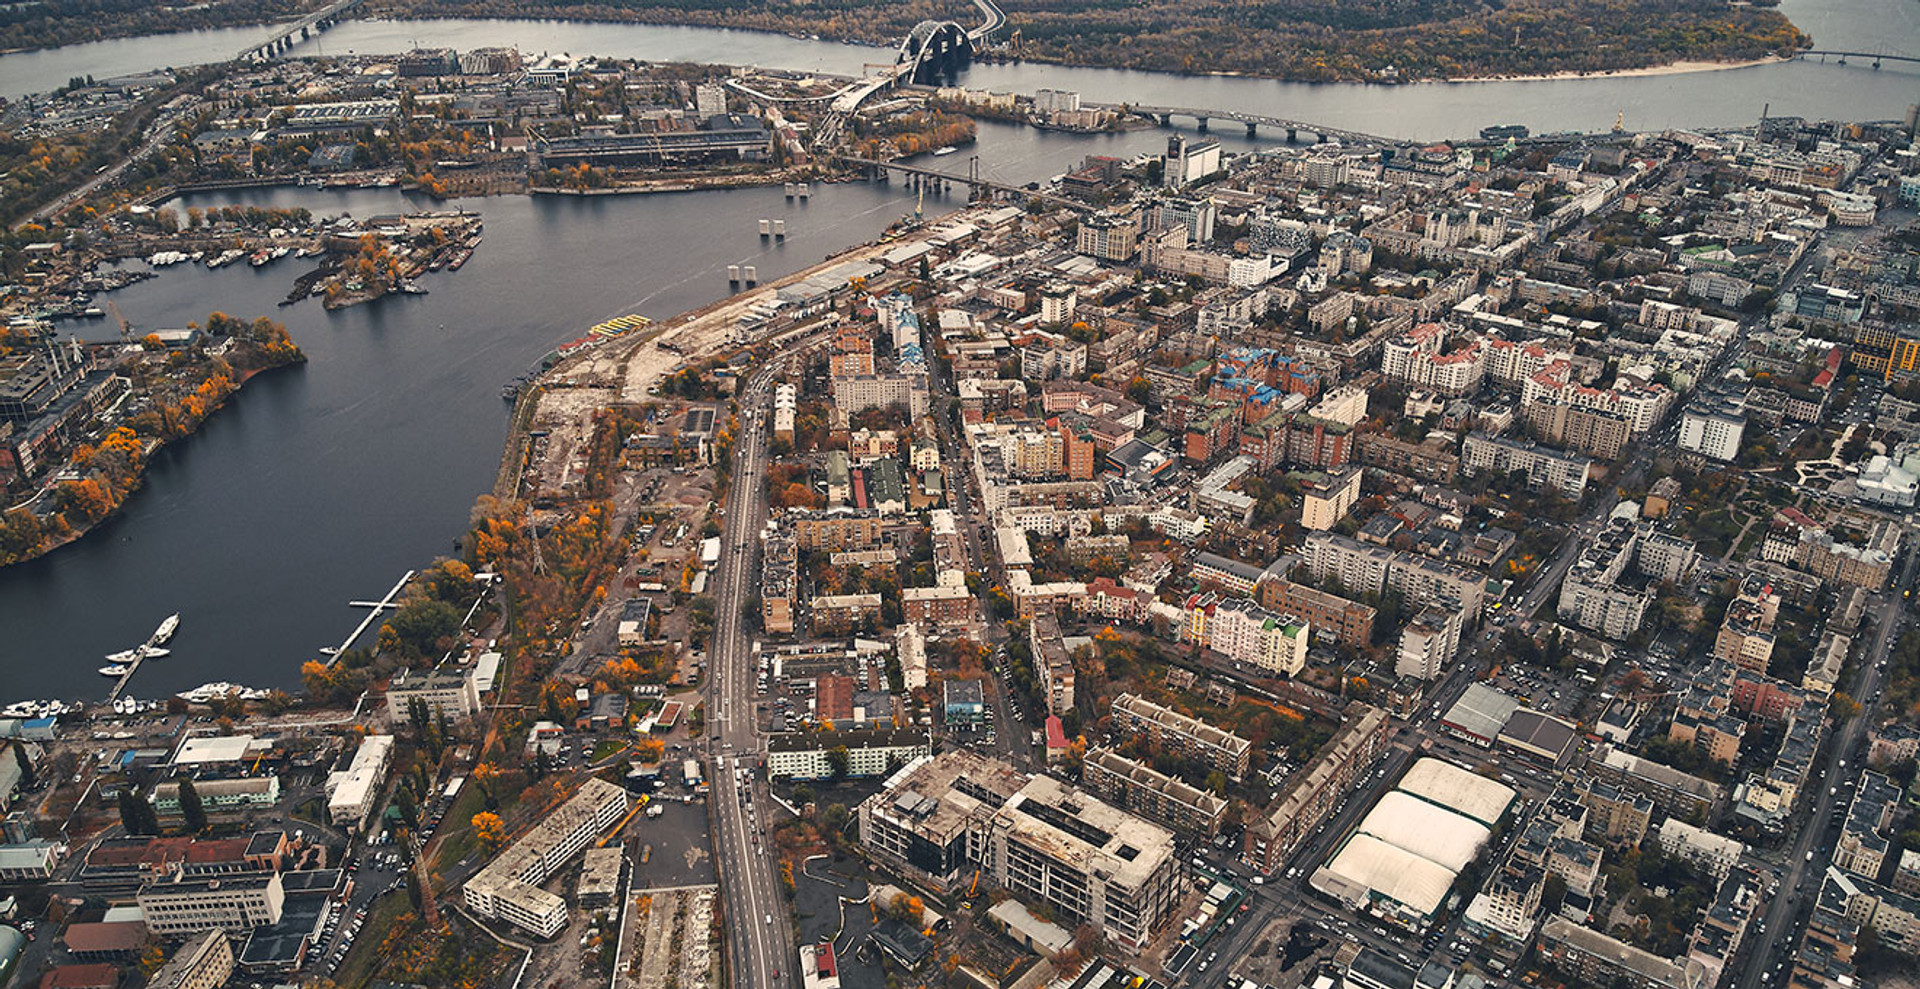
235,902
351,794
1602,960
205,961
820,755
508,888
451,695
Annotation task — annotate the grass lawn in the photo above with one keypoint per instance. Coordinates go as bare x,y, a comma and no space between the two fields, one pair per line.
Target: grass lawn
607,748
364,959
457,826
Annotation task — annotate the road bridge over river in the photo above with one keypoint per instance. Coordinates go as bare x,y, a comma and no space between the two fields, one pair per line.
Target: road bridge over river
298,31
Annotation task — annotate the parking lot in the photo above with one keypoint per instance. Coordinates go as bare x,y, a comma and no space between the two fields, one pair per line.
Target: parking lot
674,844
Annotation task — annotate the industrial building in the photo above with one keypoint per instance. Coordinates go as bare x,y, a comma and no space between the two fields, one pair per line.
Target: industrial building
351,792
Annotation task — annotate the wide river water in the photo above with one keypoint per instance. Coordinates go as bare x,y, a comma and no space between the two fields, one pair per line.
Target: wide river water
324,483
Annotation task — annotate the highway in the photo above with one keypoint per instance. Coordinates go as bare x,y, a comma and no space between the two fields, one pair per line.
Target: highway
158,133
1808,854
759,933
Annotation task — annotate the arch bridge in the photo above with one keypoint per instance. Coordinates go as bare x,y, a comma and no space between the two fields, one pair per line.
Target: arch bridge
933,51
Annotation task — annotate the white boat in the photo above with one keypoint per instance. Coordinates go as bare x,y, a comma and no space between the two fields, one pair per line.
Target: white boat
208,691
949,149
123,656
116,670
155,652
165,631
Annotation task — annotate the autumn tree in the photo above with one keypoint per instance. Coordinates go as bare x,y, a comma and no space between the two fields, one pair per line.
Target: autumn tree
490,830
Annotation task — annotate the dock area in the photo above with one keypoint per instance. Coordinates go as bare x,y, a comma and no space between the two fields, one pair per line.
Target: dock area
374,610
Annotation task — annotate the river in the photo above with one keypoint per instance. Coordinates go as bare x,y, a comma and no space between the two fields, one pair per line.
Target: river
323,483
1427,111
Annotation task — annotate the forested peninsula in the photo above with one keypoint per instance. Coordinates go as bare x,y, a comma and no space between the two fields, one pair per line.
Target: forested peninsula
1306,40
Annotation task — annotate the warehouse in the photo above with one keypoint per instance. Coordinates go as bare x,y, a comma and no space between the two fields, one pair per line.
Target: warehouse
1458,790
1406,853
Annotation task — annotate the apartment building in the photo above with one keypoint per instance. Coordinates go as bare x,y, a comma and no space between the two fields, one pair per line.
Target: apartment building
1347,622
1326,499
1244,632
837,531
805,755
1191,737
1546,468
1428,642
945,605
1312,793
1138,788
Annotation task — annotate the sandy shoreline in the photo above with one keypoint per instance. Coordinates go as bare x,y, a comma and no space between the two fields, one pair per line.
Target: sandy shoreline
1669,69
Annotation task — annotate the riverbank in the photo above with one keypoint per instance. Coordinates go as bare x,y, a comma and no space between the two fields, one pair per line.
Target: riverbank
691,183
1669,69
102,477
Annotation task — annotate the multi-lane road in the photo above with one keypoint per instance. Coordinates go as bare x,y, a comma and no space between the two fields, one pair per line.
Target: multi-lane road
758,929
1807,855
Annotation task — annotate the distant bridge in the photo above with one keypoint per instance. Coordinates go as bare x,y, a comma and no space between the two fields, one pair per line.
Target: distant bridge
972,181
931,51
1842,57
299,31
1252,121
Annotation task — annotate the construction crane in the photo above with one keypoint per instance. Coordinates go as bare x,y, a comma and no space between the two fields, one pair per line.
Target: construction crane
126,328
975,884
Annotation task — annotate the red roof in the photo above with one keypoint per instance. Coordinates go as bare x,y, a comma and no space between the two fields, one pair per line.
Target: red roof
1056,734
823,959
121,935
218,850
96,976
668,715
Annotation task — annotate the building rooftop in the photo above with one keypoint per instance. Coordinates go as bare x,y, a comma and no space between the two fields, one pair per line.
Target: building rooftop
600,872
1085,833
215,749
1532,731
937,794
1447,785
1481,711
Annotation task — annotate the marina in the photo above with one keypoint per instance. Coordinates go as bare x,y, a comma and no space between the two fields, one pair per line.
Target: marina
374,610
140,655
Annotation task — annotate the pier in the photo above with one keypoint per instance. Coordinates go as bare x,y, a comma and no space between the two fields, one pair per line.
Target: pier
133,666
374,610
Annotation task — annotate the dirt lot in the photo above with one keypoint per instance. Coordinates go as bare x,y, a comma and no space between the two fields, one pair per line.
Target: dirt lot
672,939
560,457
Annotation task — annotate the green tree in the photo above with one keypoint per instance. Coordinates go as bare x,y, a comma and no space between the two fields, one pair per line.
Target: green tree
136,814
839,762
193,812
